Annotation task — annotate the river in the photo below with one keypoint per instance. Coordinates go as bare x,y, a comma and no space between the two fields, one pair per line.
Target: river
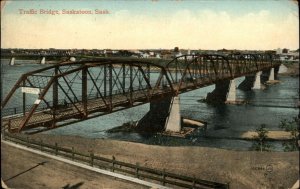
268,106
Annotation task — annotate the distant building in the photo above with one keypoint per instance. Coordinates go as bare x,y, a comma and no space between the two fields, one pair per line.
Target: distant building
279,51
289,55
151,53
224,51
166,54
145,55
107,52
157,55
284,51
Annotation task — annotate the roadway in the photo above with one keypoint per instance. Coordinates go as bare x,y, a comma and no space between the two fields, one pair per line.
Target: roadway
23,169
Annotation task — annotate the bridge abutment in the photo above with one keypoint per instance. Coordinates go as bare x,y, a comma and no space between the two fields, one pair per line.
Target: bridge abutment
225,91
163,115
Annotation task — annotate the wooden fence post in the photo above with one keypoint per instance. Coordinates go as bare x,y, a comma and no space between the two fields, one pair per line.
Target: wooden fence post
194,181
56,149
227,185
164,176
3,134
27,140
92,158
73,153
113,163
9,125
137,170
41,145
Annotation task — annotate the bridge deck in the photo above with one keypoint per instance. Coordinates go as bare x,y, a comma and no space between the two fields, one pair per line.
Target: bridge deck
45,118
97,107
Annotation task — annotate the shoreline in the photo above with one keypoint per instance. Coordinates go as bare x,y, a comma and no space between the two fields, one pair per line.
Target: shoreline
276,135
292,68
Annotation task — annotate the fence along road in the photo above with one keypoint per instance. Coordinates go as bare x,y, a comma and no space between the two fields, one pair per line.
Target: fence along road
141,175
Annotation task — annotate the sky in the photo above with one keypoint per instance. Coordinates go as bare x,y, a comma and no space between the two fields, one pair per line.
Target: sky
152,24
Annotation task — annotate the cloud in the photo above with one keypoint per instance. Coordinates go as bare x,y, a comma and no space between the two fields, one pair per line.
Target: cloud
206,29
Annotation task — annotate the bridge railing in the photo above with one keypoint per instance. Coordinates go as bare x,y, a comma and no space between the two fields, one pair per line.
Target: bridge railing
15,111
19,110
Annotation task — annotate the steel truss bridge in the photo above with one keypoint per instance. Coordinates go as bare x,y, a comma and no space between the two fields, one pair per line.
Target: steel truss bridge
72,92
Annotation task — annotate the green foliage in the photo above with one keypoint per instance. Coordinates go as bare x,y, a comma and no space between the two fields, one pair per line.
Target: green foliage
292,127
260,140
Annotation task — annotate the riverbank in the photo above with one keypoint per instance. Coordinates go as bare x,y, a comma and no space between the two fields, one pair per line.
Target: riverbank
292,69
242,169
272,135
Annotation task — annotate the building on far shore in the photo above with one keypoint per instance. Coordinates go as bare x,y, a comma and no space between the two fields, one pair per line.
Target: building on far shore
287,54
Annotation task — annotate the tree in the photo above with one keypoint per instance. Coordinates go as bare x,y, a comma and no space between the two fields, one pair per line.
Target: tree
285,50
293,128
260,140
176,49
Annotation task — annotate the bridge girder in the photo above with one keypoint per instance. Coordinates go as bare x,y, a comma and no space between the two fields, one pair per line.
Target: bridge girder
109,84
195,71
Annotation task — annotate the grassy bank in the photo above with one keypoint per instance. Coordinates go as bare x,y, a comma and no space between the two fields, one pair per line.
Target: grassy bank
242,169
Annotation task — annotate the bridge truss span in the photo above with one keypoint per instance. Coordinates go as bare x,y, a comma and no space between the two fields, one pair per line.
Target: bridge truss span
194,71
190,71
70,92
86,89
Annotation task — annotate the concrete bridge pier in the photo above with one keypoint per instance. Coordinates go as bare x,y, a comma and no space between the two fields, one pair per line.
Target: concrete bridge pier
252,82
173,121
12,61
72,59
164,115
271,75
257,81
224,92
281,69
231,94
43,61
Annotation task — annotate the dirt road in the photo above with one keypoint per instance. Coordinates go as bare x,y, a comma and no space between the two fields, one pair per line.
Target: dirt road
25,170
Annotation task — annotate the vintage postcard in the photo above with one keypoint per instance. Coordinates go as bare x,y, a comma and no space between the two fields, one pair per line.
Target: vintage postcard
150,94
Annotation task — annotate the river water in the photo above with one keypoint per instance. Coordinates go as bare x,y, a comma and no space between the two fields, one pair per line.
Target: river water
225,122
